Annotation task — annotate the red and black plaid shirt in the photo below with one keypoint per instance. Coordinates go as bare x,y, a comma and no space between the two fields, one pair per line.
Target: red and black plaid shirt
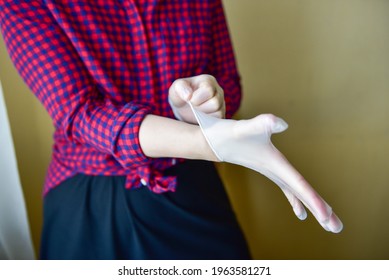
99,67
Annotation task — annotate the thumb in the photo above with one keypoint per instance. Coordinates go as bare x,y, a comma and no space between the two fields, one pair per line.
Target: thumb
267,123
277,124
180,92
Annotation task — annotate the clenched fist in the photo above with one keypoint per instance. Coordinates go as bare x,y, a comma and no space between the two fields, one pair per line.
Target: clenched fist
202,91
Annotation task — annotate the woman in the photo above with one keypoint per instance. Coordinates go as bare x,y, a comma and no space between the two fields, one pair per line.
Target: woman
126,83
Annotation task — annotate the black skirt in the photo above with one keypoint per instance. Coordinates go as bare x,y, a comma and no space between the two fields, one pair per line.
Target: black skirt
95,217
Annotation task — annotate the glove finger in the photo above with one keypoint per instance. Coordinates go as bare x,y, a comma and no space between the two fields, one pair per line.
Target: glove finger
263,125
333,223
276,124
296,183
281,168
296,204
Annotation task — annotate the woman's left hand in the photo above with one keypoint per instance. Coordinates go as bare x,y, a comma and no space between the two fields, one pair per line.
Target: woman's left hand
202,91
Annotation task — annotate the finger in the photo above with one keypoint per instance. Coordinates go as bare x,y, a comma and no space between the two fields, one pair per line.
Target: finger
196,81
335,224
298,207
219,114
332,224
262,125
203,93
301,189
275,124
213,105
180,92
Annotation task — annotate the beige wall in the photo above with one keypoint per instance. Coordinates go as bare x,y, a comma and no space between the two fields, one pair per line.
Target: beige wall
324,67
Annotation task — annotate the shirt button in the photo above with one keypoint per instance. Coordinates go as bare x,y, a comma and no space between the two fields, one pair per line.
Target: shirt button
143,182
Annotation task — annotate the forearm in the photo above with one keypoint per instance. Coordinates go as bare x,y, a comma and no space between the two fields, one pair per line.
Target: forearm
164,137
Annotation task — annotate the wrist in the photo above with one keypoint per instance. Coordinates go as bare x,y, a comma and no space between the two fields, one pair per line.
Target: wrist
205,149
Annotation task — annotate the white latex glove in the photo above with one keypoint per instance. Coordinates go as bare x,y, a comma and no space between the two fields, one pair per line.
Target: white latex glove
202,91
247,143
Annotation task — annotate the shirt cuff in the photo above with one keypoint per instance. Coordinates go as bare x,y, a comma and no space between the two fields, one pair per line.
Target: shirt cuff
127,149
